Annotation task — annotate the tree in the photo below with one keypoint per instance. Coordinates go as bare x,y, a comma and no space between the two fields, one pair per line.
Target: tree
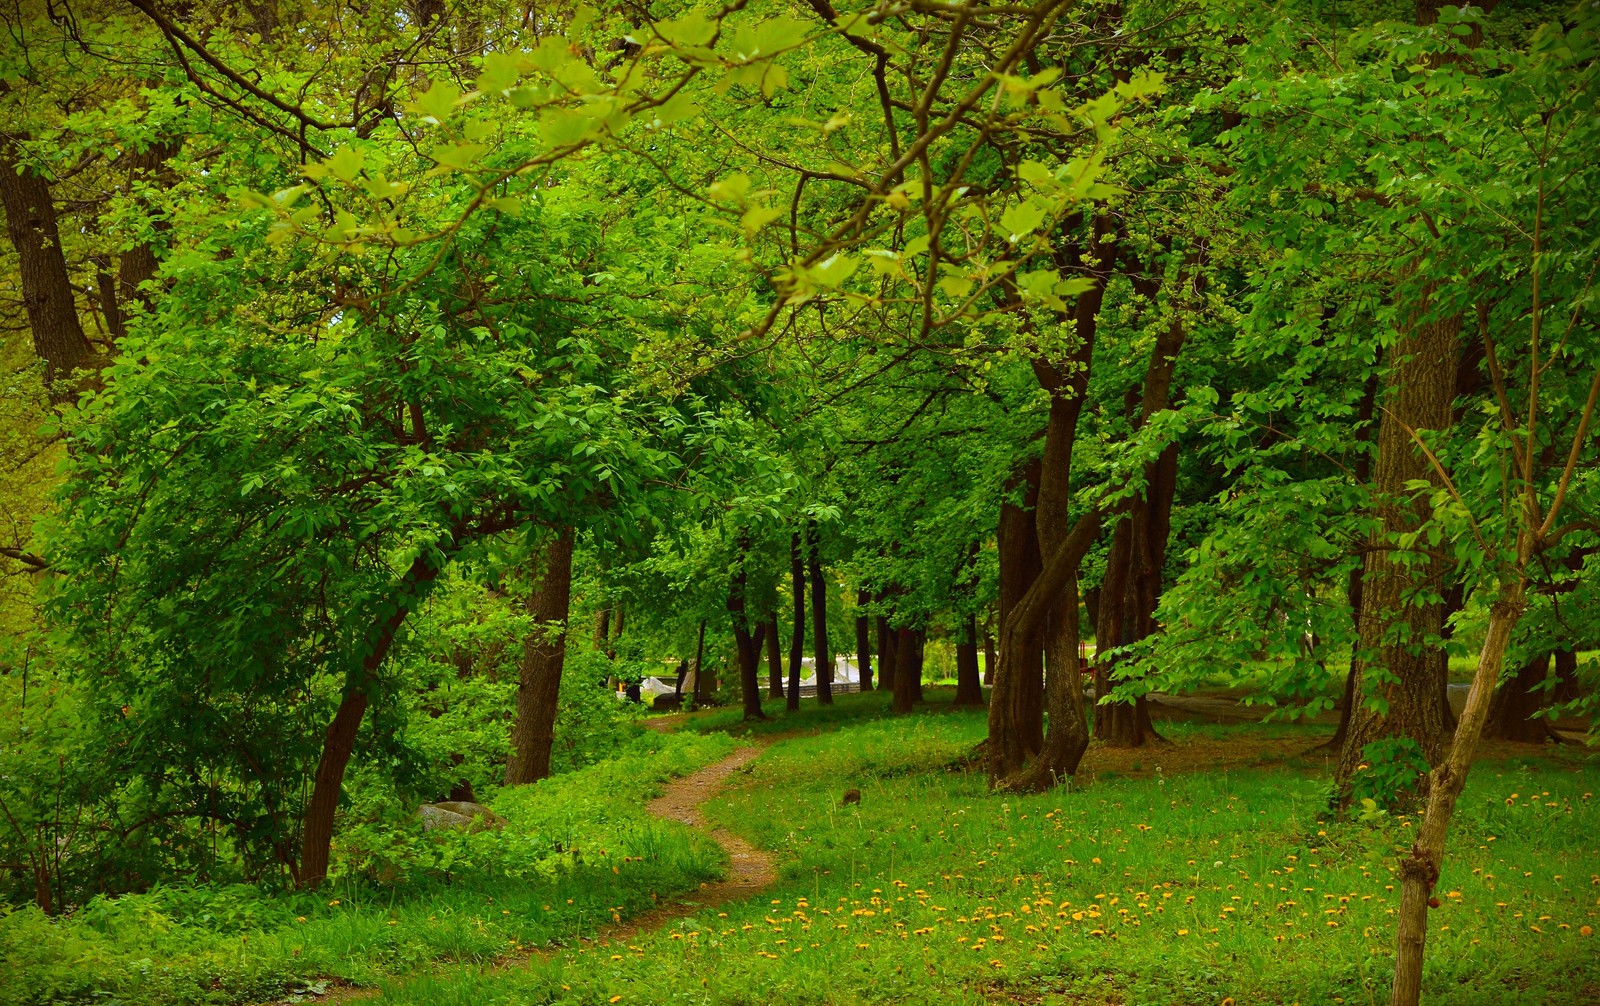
543,655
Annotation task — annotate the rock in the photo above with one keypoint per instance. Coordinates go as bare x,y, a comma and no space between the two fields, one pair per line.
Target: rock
458,814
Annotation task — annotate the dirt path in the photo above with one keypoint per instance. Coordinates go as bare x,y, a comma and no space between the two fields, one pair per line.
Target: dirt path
750,870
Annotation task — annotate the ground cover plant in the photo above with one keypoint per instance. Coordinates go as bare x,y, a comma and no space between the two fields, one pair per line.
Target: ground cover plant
575,853
1178,886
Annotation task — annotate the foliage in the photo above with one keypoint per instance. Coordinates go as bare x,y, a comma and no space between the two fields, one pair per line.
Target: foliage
576,851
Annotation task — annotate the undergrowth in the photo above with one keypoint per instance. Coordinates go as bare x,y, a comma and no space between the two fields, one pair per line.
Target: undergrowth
577,851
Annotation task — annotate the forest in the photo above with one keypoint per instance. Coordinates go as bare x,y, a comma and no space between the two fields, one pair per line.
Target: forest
799,501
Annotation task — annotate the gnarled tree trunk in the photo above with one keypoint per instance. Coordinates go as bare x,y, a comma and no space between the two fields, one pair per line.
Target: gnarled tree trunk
749,647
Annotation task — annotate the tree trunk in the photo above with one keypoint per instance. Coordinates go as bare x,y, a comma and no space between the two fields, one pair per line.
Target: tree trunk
544,653
1054,590
863,639
1420,870
138,265
749,648
989,658
774,660
819,619
1514,712
969,686
797,642
1362,469
1132,588
907,670
1419,385
702,680
886,638
1023,694
602,631
47,297
316,835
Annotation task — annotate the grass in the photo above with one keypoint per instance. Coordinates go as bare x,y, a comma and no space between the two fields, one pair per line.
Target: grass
848,709
1174,875
578,851
1143,887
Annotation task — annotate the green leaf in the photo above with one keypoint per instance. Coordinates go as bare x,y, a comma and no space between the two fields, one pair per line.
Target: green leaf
1023,218
757,217
438,101
833,270
731,189
459,156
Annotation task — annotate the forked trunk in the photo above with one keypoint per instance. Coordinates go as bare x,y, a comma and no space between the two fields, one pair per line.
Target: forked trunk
749,647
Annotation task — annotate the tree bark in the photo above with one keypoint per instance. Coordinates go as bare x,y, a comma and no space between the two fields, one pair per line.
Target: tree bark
969,683
774,660
1021,697
702,680
544,654
797,642
1051,592
749,648
47,297
819,618
1514,711
1398,644
1419,871
1132,588
989,657
1044,564
908,670
602,631
1362,470
886,638
316,833
863,639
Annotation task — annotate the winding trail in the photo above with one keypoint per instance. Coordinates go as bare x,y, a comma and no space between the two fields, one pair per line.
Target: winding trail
750,870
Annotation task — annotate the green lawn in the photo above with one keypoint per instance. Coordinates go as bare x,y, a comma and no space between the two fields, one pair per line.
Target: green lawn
1181,874
1169,888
